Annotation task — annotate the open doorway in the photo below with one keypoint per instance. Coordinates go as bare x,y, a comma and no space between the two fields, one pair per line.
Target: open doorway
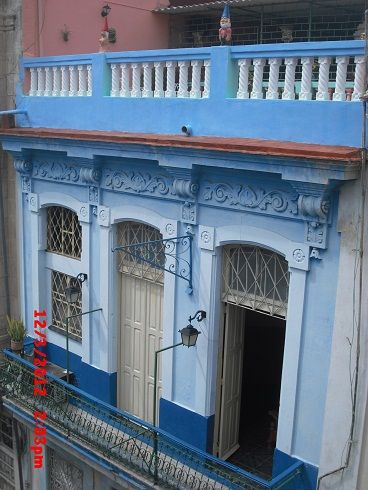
254,294
264,338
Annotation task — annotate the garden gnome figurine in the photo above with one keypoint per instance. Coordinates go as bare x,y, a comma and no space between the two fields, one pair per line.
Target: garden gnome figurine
104,39
225,29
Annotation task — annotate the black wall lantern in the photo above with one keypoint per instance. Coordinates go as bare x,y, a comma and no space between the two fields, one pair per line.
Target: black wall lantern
73,292
105,10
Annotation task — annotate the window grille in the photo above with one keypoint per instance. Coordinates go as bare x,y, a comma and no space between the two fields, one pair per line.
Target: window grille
7,477
255,278
61,308
6,431
131,232
64,233
62,474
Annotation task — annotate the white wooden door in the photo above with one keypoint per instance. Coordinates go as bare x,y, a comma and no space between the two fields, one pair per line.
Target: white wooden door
231,380
141,336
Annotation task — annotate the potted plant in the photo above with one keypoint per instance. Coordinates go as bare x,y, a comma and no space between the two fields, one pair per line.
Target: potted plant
17,333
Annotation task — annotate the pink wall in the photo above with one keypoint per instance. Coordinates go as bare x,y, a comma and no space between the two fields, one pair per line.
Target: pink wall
136,26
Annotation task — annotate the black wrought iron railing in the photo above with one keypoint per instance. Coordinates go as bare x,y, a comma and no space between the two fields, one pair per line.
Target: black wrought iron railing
126,441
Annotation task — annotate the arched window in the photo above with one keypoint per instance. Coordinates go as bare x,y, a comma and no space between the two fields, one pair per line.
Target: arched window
64,233
255,278
64,237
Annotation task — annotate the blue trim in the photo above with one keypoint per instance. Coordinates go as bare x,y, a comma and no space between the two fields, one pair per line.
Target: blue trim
186,425
282,463
98,383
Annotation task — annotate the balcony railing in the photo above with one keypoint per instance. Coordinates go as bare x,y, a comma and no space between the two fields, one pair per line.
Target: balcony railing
127,442
295,92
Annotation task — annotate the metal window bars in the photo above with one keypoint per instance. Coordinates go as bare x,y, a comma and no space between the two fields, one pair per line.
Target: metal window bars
255,278
61,473
127,442
62,309
64,233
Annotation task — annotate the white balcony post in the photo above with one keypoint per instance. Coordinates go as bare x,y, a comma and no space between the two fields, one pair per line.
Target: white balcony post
73,80
323,78
136,86
89,80
195,92
147,80
306,84
170,83
257,90
82,80
183,78
56,79
273,82
342,67
207,78
64,81
33,82
359,78
289,88
40,81
48,81
124,80
243,79
114,80
159,79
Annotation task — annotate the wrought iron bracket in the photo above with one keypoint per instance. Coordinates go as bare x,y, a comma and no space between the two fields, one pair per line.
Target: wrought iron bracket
178,250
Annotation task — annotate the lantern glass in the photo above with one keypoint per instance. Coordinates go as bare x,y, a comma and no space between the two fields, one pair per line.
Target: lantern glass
189,336
72,294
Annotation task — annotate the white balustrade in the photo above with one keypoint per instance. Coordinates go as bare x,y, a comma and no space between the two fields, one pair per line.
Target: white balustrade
323,79
82,81
194,81
257,90
159,79
170,82
136,84
359,79
289,87
273,83
243,79
114,80
40,82
207,78
73,77
195,92
342,67
306,84
124,80
147,80
54,81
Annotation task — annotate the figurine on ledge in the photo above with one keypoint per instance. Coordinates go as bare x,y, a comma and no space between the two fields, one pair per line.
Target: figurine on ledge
225,29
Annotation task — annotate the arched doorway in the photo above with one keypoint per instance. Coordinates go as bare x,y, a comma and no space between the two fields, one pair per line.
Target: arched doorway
254,295
141,312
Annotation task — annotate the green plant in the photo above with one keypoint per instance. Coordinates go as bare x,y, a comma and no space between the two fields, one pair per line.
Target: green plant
16,329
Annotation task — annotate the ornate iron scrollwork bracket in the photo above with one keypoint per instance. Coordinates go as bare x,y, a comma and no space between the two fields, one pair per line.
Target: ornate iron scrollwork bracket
173,255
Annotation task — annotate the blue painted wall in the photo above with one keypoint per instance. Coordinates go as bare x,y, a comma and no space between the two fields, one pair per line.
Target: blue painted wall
321,122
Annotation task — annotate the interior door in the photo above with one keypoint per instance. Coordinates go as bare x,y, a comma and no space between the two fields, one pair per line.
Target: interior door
231,380
141,336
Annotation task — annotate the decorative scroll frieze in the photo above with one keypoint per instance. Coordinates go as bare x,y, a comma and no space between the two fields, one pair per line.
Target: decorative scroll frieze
139,182
56,171
248,197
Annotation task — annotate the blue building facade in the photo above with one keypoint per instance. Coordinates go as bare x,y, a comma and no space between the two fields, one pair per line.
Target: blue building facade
245,209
